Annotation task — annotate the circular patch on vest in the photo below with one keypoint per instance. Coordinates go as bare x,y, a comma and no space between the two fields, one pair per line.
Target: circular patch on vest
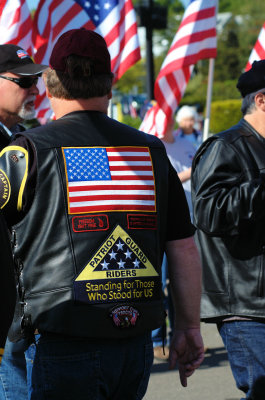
124,316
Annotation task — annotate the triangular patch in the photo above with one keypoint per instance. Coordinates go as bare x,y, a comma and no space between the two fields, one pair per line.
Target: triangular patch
119,256
118,272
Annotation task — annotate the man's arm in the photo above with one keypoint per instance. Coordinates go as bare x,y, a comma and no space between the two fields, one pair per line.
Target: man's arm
228,191
185,278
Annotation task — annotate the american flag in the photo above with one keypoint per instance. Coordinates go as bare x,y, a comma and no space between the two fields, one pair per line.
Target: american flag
115,20
109,179
258,52
15,24
194,40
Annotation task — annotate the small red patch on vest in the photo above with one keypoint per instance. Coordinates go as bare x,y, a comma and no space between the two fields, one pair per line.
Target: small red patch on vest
142,221
124,316
90,223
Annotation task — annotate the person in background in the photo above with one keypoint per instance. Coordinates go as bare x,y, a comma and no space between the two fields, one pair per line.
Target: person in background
181,146
18,91
228,191
94,293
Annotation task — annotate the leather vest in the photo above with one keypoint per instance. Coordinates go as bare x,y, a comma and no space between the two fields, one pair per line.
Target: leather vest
89,260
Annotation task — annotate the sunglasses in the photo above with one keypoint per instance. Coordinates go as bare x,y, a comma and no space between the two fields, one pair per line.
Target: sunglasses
25,83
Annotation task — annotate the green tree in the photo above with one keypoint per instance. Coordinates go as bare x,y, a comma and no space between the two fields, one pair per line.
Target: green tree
227,64
234,45
135,76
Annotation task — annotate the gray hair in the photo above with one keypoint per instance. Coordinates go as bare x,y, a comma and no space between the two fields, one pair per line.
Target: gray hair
186,112
248,102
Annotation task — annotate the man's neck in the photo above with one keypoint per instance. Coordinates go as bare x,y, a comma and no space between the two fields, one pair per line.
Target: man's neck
9,120
257,123
62,107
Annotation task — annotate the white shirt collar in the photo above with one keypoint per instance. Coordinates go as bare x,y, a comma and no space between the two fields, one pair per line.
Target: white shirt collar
6,129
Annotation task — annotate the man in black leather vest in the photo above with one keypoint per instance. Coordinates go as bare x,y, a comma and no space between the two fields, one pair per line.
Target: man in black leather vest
228,188
18,90
94,204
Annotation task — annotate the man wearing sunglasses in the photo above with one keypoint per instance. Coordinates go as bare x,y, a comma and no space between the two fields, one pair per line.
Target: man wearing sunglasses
18,90
18,79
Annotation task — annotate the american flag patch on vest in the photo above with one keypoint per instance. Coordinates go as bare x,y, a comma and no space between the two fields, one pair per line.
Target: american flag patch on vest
103,179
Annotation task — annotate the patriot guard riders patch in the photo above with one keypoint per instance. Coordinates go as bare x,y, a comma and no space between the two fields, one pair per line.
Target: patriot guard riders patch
104,179
119,271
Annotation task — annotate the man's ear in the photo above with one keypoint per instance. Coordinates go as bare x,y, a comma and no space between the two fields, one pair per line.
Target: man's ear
48,94
260,100
109,95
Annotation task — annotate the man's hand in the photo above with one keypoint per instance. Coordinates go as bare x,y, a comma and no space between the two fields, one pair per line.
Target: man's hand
184,270
187,349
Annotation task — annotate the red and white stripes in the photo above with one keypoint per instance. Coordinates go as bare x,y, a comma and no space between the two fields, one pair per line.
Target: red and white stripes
258,51
194,40
119,29
16,24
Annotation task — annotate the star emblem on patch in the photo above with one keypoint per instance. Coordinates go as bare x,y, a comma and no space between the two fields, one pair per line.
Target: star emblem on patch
120,257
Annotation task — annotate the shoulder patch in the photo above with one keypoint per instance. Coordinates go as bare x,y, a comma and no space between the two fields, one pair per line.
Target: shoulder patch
4,189
14,168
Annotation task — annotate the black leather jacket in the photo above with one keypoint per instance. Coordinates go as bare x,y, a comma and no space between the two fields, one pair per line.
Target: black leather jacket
228,191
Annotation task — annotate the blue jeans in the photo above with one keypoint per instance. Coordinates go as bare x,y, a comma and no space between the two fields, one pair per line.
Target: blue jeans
245,344
95,369
15,370
159,335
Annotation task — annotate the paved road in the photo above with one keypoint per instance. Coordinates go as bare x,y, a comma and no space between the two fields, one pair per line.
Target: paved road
212,381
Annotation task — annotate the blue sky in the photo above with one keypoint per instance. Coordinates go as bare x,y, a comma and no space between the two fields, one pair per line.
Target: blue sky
32,3
185,2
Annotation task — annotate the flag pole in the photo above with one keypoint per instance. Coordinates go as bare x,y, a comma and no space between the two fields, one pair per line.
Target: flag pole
206,125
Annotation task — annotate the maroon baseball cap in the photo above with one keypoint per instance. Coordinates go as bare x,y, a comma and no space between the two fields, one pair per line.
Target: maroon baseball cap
15,59
81,42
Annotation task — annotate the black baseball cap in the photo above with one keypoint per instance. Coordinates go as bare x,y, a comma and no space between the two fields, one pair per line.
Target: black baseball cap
15,59
85,43
253,79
